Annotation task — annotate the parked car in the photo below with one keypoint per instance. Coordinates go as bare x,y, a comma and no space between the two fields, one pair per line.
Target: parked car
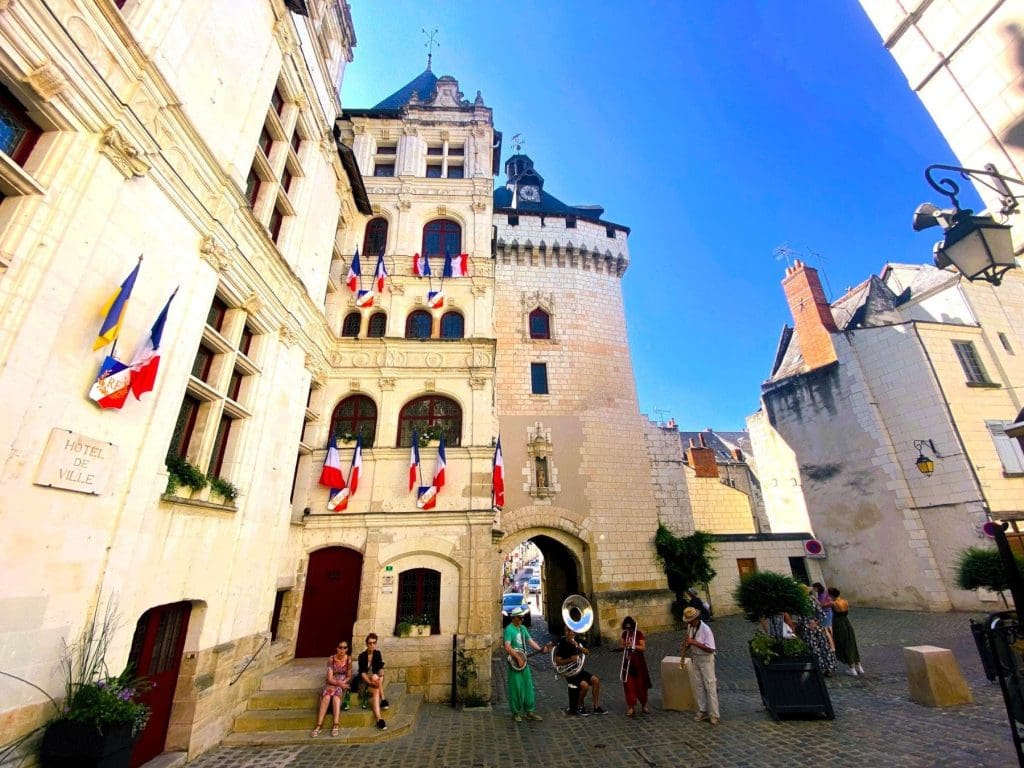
511,601
533,585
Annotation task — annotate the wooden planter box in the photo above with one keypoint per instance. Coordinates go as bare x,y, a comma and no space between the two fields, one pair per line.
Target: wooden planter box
793,687
76,745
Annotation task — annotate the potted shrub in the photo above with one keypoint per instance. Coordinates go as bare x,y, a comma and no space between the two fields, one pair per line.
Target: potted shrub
404,628
788,676
101,714
224,488
983,568
183,473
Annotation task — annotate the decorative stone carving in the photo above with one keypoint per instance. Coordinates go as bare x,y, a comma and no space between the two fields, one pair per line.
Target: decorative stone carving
336,359
287,336
442,210
300,101
479,289
4,5
284,36
213,254
361,360
397,289
477,382
354,385
404,203
433,359
46,80
479,204
444,134
125,156
253,304
540,470
386,384
430,385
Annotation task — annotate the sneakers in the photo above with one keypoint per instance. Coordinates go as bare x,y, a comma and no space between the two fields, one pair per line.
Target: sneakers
860,669
381,725
384,704
582,712
600,711
534,716
700,717
517,718
851,671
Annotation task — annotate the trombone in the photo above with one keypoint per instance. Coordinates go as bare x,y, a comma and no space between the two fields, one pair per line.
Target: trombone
627,656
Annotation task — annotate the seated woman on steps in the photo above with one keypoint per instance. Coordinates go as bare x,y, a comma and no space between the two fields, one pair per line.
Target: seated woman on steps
339,678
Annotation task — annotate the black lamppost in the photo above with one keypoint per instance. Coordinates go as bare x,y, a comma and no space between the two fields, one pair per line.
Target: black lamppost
978,246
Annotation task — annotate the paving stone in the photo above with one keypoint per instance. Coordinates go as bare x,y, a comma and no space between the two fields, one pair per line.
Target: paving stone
876,722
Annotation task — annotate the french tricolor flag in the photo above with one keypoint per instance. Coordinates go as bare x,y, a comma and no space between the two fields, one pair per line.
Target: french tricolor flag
426,497
456,266
420,266
414,459
354,273
330,475
498,476
435,299
442,463
146,362
113,383
380,273
357,467
364,298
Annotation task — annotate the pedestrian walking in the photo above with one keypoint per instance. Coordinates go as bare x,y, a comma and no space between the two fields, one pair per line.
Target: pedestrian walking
699,646
843,634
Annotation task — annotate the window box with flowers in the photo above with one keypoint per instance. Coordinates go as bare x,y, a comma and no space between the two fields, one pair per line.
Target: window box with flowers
414,626
430,437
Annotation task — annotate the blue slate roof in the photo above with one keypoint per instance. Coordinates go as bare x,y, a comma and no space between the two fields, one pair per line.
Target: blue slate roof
424,85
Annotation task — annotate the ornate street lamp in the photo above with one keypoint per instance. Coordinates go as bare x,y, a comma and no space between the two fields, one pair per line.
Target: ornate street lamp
925,464
978,246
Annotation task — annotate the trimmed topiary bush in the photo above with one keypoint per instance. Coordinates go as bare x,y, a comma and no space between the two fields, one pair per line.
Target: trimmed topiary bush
982,568
765,594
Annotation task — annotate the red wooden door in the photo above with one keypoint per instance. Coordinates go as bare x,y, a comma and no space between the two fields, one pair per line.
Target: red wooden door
156,656
329,601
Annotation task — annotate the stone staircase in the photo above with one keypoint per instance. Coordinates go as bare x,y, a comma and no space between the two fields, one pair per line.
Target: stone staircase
284,709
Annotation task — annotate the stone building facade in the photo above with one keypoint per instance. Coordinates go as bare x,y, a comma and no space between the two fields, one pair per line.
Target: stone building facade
914,361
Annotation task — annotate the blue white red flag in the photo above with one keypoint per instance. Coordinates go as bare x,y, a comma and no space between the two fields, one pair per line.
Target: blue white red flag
435,299
498,476
364,298
380,273
426,497
337,499
414,459
354,273
147,360
455,266
113,383
420,266
330,475
442,462
357,467
113,311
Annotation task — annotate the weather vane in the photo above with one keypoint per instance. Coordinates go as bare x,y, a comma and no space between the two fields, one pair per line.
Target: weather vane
517,142
429,45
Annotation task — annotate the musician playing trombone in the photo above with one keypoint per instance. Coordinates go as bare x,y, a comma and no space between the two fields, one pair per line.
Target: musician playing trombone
636,678
521,699
570,651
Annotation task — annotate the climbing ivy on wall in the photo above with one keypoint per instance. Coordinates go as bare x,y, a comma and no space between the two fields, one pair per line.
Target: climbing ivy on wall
686,560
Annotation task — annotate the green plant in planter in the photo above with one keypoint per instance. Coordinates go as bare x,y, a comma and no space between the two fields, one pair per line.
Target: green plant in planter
686,560
431,433
766,648
181,472
344,436
224,488
765,595
404,628
982,568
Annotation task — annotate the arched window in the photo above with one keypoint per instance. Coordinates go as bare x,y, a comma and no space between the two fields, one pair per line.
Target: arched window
439,235
376,238
430,411
452,326
540,324
419,598
378,324
355,415
417,325
350,328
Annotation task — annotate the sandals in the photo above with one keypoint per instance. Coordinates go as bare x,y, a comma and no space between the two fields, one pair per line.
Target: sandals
647,710
629,712
335,729
315,732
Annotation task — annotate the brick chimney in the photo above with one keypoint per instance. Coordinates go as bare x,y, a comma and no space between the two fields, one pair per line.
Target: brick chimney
702,459
812,316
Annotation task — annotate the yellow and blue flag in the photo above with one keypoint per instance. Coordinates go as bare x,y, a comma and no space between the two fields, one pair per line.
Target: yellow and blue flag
114,309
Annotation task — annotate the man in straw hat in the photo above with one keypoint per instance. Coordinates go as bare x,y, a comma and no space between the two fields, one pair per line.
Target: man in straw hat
699,645
520,682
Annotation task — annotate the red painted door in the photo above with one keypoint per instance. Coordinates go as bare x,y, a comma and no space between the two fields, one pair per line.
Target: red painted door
329,601
156,656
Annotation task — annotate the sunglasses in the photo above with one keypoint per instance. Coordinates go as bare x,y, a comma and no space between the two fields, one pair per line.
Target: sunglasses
342,647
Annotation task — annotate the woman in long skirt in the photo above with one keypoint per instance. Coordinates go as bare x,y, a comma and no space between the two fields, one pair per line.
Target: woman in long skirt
843,634
811,630
638,678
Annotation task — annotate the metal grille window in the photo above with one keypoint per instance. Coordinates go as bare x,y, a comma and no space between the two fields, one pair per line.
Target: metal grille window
376,238
356,415
430,411
378,325
418,324
970,362
419,595
452,326
350,328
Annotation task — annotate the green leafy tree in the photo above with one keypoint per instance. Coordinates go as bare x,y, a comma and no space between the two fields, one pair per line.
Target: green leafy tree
983,568
686,560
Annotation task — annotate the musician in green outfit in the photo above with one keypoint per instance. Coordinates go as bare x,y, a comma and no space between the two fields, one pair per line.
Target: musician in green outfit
520,682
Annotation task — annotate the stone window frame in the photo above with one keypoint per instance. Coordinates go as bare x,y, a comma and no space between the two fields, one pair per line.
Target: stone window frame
539,448
212,437
364,425
453,430
443,333
970,362
351,325
419,598
531,302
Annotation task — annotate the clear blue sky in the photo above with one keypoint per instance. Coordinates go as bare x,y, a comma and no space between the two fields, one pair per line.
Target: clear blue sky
717,131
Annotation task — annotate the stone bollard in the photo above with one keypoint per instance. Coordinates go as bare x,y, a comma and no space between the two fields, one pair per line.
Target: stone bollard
676,690
934,677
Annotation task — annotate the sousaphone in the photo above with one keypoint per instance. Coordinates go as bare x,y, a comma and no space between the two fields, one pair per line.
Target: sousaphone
577,615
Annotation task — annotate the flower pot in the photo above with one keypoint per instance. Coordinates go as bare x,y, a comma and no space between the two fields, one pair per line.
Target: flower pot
792,686
67,744
422,629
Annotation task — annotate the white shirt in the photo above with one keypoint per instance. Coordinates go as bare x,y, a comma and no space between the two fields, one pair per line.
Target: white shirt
702,634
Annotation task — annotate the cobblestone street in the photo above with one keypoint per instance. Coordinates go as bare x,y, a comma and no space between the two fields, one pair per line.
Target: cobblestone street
876,723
